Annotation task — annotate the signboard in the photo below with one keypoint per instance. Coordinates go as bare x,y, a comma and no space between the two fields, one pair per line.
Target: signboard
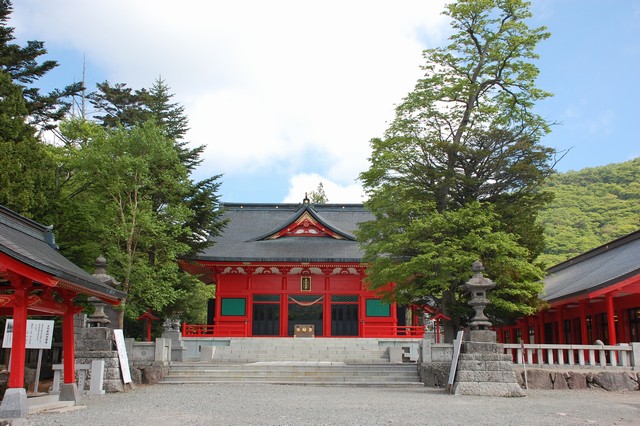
457,344
39,334
122,355
305,283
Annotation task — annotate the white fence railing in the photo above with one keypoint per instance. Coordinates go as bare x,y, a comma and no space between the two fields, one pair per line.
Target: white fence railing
622,355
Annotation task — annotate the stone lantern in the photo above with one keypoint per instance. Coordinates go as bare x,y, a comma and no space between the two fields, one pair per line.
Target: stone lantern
478,286
99,318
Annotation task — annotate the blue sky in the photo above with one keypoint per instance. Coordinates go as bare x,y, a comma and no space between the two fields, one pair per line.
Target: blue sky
287,94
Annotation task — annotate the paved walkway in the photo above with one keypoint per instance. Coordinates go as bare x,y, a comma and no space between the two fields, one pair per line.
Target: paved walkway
264,404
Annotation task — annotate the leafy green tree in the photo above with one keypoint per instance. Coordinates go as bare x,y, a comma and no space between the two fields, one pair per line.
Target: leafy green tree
27,178
120,106
123,106
318,196
120,168
457,176
591,207
21,64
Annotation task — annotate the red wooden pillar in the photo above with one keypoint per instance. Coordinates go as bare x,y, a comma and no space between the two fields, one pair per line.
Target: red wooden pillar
611,325
68,344
218,308
19,342
541,339
326,312
584,332
394,318
622,335
524,330
284,305
560,326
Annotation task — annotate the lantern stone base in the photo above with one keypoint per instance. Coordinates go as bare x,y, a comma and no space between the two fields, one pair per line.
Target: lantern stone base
483,369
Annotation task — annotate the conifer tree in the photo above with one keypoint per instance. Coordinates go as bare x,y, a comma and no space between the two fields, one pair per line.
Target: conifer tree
457,176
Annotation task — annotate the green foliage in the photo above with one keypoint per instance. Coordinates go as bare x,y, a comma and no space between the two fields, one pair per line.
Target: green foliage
458,175
21,64
27,178
591,207
123,172
318,196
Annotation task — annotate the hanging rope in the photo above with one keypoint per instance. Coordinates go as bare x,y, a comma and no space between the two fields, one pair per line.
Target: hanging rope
297,302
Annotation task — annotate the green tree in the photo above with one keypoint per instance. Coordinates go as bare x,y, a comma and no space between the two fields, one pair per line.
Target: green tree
457,176
591,207
318,196
27,178
21,64
123,171
123,106
120,106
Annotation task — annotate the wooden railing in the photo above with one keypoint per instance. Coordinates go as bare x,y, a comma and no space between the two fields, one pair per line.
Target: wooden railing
622,355
197,330
385,330
218,330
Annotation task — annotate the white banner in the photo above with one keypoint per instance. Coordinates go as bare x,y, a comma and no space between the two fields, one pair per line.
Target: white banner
39,334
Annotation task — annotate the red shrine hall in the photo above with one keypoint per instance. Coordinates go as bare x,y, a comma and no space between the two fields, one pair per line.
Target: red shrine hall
594,296
279,266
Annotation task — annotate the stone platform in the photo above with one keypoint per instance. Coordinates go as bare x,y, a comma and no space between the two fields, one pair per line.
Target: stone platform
483,369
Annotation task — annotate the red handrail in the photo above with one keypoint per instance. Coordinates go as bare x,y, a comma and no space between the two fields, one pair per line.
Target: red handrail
385,330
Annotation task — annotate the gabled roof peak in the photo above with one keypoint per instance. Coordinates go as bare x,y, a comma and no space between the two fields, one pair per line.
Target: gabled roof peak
306,222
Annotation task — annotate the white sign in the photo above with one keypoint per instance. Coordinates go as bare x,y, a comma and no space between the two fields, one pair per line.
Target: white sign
122,355
39,334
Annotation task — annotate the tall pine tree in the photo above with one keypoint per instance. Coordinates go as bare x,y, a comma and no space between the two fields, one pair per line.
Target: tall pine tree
457,176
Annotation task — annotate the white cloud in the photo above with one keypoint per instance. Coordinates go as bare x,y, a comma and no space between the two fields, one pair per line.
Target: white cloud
304,85
305,183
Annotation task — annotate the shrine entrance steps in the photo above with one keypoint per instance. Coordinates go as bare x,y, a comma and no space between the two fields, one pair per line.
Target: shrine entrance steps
317,361
327,373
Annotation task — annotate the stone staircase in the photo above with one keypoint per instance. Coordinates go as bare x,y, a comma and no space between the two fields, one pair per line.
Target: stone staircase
326,361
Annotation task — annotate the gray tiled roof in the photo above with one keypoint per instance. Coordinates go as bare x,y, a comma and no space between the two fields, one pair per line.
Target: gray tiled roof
26,241
595,269
241,240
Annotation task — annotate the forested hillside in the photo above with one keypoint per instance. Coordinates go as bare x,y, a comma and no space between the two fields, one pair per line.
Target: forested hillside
591,207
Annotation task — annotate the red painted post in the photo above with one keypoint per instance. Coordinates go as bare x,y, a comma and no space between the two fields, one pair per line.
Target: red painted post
68,344
611,324
584,333
19,342
560,326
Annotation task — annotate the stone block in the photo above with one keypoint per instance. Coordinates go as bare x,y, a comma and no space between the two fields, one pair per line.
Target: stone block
152,374
488,389
481,348
539,379
559,381
576,380
616,382
395,354
207,353
486,336
14,404
136,375
498,366
472,365
113,386
435,374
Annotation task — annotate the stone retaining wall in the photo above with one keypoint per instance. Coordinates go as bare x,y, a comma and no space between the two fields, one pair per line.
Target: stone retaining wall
616,381
436,374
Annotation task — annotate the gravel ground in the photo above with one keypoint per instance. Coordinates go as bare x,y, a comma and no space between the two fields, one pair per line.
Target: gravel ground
264,404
